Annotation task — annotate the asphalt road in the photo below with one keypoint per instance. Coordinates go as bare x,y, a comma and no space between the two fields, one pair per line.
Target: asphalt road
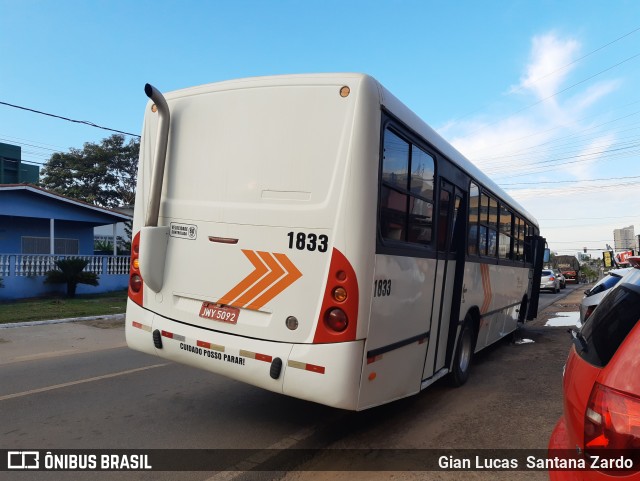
59,396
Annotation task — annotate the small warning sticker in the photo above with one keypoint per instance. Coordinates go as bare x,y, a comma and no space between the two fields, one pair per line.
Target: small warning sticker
183,231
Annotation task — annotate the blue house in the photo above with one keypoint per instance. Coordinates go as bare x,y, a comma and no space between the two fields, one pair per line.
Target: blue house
38,227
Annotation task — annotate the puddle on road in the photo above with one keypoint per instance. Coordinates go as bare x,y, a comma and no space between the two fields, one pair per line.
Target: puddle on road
525,341
564,319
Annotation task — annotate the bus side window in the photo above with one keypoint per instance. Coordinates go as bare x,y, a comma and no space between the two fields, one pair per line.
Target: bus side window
505,246
443,219
421,201
395,182
474,209
406,193
393,214
493,228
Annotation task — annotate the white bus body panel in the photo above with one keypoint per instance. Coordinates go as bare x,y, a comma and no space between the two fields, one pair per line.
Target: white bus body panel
496,291
324,373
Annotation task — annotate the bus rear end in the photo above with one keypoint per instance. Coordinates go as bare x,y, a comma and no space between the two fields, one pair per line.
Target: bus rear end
245,273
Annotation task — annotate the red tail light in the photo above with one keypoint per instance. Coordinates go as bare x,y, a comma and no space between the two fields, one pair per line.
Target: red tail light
336,320
135,278
588,312
339,312
612,422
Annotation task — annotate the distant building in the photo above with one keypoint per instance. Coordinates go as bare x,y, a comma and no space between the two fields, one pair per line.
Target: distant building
13,170
624,239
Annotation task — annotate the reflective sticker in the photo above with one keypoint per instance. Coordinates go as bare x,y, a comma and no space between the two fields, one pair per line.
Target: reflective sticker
256,356
139,325
208,345
306,367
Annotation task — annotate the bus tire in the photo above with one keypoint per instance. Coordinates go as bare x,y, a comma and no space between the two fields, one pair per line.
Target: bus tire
464,354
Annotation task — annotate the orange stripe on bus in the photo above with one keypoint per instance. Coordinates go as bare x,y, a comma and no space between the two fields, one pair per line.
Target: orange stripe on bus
293,274
264,283
259,270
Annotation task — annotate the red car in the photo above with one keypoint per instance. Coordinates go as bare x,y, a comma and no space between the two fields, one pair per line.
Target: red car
602,390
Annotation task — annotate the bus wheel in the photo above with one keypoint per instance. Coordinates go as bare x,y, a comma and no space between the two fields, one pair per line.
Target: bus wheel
464,353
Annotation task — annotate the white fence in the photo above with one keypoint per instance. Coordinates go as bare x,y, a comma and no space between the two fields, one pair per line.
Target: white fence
22,265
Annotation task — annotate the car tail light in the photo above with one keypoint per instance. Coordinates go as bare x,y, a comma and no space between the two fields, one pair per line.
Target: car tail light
339,312
612,422
551,278
135,278
588,312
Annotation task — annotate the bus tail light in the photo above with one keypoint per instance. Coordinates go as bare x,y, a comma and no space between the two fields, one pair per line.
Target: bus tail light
336,319
339,312
135,278
611,422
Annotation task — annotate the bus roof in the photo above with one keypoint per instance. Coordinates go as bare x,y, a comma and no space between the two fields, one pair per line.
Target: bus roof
388,100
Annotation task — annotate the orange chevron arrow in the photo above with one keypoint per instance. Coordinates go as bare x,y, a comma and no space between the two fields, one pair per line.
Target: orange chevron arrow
264,283
244,284
293,274
261,285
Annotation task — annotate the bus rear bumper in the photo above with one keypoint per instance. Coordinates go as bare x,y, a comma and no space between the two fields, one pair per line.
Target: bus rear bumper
324,373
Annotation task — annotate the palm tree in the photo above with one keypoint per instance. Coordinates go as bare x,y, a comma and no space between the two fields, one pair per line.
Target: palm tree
71,272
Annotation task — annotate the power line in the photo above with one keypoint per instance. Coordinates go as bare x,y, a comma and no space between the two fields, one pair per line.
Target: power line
555,94
85,122
569,181
594,218
563,67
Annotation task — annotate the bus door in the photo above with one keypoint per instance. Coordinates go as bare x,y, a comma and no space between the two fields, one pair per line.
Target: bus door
445,310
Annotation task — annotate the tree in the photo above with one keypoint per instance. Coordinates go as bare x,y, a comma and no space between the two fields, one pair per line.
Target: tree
101,174
71,272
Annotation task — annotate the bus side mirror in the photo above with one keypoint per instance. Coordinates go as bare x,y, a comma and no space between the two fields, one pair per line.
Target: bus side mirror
547,255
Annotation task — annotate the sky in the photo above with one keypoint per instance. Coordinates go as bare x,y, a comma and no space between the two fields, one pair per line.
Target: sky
543,96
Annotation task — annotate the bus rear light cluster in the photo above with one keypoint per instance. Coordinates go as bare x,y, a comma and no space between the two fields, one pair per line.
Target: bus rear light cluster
135,278
339,311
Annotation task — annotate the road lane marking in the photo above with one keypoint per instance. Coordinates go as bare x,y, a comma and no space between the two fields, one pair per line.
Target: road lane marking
81,381
263,456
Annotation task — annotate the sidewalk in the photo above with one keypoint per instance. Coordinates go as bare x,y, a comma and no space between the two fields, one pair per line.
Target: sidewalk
60,338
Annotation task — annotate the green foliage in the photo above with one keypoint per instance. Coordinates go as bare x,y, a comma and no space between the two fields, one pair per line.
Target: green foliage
71,272
103,246
588,272
101,174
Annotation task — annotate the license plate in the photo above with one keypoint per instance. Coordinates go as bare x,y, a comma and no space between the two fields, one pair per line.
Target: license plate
218,313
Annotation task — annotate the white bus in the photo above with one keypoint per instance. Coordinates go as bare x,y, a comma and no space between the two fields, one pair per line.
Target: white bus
310,235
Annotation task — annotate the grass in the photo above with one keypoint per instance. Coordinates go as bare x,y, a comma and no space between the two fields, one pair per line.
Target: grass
62,308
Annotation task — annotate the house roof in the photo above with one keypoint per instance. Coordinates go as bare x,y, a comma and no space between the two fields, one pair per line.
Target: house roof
25,200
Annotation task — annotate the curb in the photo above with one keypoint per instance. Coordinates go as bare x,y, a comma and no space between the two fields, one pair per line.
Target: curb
109,317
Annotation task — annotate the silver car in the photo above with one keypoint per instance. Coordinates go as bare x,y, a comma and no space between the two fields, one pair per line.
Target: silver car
549,281
593,296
